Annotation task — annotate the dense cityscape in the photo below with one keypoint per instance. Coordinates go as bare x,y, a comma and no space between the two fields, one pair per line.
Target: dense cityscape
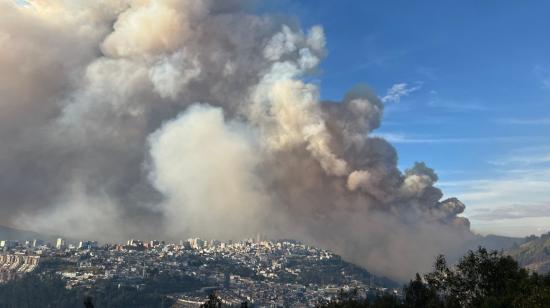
259,272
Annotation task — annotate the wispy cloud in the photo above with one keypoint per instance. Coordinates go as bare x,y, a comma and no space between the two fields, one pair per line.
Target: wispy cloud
525,160
436,101
379,54
543,76
450,105
380,60
399,90
424,120
503,191
511,205
518,121
405,138
515,211
524,157
428,72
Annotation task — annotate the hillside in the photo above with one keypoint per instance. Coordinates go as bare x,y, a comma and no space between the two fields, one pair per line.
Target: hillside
534,254
492,242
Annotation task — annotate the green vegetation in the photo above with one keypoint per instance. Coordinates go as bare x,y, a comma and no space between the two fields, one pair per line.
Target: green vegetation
212,302
480,279
38,291
352,300
48,290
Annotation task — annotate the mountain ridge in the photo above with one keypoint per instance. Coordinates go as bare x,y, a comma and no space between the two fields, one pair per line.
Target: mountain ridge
533,254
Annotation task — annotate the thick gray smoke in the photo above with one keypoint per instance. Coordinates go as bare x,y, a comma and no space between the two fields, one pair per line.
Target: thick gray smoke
178,118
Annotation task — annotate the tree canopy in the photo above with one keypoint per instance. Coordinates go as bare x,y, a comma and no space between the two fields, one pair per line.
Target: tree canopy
481,278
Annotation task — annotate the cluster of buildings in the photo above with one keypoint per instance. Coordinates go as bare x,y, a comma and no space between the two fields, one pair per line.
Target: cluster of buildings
261,272
16,265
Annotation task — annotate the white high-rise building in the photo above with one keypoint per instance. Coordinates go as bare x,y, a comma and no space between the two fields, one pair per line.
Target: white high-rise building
60,244
5,245
196,243
37,243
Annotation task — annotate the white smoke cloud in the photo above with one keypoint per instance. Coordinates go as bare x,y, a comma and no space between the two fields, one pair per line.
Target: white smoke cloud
186,118
208,184
79,212
171,74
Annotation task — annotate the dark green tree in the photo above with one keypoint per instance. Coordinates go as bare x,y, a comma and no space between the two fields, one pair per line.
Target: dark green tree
419,295
348,299
213,301
486,279
88,302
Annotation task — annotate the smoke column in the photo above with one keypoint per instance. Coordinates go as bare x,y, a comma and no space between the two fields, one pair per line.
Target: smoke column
168,118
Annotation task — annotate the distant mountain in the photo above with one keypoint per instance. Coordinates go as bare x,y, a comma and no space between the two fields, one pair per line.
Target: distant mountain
7,233
493,242
533,254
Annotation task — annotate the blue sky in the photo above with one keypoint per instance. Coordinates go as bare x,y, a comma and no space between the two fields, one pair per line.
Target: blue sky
471,94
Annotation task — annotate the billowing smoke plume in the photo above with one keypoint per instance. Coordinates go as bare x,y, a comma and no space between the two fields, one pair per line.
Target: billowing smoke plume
178,118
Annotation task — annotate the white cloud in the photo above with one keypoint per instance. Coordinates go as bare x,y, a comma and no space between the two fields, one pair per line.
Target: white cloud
515,211
517,227
397,91
523,157
516,202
